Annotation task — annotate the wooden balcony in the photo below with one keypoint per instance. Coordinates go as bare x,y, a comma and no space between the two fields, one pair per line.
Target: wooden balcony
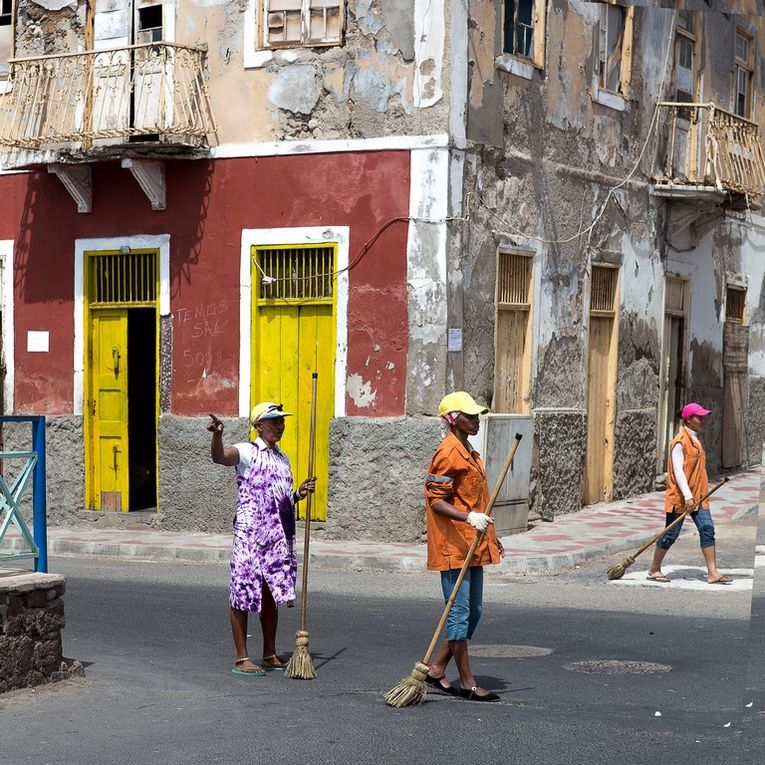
151,96
707,152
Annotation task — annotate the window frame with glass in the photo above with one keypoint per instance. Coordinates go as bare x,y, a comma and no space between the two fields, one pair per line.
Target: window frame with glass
297,17
533,50
743,72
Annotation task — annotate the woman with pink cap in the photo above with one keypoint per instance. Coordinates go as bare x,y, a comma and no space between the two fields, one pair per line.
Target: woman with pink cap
687,485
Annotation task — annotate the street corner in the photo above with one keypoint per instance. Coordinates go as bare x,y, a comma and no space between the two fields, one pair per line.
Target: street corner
691,578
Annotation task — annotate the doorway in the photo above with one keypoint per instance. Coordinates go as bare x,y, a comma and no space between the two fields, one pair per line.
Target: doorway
601,385
735,377
673,365
294,334
121,380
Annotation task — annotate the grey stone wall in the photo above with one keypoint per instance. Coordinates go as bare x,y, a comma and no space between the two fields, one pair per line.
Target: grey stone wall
560,440
376,477
194,493
31,620
634,452
755,420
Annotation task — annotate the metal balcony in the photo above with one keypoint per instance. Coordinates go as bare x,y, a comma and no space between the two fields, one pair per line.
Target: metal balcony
148,95
705,151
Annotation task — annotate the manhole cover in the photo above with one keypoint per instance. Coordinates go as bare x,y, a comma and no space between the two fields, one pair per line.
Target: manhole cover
607,667
504,651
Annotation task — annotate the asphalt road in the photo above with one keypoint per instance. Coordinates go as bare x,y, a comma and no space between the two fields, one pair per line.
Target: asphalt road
582,666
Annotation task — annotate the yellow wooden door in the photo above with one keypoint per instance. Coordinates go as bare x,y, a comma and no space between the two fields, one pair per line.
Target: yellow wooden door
293,331
108,411
600,412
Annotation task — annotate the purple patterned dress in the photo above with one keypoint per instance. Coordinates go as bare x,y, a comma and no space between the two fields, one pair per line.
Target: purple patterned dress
264,528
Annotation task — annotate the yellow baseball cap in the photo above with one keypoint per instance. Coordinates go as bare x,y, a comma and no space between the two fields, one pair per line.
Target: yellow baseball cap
267,410
460,401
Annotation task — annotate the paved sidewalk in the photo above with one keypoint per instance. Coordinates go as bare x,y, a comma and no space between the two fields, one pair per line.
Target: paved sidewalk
549,548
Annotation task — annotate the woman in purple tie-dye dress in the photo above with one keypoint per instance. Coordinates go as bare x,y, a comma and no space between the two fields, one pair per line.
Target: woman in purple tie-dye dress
263,560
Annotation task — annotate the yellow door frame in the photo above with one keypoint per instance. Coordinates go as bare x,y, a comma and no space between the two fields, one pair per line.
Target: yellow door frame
257,303
92,495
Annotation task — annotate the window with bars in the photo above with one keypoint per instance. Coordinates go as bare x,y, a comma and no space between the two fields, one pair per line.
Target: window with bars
513,280
123,279
735,304
290,23
295,273
512,331
603,290
675,297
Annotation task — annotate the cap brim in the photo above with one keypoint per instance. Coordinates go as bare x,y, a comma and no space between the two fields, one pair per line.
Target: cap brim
474,410
273,416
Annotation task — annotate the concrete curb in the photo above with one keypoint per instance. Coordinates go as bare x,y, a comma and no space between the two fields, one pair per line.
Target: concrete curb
531,563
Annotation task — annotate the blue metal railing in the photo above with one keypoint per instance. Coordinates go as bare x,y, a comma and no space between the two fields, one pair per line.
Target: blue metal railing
10,495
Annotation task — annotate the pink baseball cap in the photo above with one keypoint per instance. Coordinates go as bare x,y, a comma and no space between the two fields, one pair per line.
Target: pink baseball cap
689,410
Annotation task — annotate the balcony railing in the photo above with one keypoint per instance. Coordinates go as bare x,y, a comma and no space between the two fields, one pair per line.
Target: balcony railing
151,93
704,146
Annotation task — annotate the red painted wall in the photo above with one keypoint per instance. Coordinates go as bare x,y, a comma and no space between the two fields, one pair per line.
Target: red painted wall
208,205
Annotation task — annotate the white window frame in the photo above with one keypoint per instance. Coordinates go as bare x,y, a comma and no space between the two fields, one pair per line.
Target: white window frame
159,242
694,37
615,100
747,66
523,66
6,296
278,237
5,85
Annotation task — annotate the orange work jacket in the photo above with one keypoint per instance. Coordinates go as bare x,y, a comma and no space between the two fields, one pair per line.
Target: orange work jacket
456,475
695,469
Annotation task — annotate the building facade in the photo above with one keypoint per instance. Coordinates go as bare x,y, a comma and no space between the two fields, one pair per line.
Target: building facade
202,204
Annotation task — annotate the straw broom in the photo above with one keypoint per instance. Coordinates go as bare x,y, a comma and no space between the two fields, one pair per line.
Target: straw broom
300,666
617,572
412,689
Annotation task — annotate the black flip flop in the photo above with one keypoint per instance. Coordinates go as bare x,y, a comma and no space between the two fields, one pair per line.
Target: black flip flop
435,682
471,695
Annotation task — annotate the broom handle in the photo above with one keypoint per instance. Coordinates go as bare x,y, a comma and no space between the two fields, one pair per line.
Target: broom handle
471,552
677,520
307,535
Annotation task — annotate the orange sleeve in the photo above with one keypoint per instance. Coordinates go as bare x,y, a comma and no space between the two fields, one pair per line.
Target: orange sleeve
439,482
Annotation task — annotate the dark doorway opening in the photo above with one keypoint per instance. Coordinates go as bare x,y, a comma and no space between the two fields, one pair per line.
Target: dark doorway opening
142,407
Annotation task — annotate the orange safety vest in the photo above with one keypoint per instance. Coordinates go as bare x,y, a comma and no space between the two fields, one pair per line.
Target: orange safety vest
695,469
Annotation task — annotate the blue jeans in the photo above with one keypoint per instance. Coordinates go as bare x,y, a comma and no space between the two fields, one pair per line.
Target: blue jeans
466,609
703,521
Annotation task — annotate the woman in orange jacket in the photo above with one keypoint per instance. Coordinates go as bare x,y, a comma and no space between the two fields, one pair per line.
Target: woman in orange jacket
687,485
456,494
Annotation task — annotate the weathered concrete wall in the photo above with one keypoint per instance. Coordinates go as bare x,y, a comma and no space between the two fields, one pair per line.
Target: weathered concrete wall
559,439
194,493
31,620
377,471
634,452
390,76
45,27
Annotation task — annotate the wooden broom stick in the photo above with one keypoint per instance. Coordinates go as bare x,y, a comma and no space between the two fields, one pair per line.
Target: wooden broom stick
300,666
411,690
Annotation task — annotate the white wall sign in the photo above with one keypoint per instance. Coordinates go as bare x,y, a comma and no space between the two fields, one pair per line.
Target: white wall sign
38,342
454,339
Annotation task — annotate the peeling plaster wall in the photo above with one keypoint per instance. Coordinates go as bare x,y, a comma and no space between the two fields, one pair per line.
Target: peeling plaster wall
542,155
45,27
388,78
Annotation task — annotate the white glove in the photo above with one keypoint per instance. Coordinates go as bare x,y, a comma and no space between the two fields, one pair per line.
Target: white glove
479,521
